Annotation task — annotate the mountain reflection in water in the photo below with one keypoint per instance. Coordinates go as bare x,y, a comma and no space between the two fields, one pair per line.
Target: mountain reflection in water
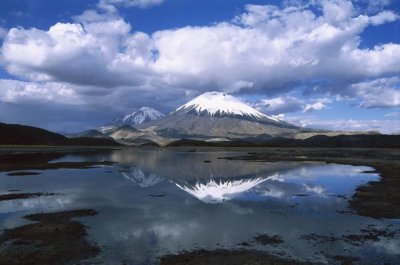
157,201
217,191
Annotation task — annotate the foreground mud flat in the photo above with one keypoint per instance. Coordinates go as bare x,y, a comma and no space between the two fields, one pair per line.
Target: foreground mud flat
53,238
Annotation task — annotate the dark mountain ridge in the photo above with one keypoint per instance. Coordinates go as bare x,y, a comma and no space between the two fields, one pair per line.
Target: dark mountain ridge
15,134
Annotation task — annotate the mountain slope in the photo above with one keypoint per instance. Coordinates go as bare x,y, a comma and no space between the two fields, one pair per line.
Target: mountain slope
218,115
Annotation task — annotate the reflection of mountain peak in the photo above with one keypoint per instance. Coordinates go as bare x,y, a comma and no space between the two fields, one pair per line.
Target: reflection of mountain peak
138,177
217,191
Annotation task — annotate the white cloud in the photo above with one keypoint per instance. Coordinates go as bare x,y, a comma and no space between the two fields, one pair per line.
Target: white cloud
286,104
279,105
337,11
383,125
265,50
319,104
383,92
18,91
383,17
110,5
87,54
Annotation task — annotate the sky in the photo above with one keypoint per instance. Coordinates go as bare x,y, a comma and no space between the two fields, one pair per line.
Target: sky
73,65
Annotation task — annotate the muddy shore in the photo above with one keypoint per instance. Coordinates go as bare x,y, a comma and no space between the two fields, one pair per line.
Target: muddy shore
53,239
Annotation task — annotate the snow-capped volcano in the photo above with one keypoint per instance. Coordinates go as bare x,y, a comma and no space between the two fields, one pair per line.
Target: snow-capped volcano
217,115
144,114
219,104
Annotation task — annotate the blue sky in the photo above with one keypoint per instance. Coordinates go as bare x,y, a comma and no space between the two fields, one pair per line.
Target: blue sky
71,65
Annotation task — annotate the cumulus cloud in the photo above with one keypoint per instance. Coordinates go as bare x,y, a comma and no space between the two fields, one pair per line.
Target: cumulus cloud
279,105
379,93
389,125
266,50
317,105
287,104
383,17
19,91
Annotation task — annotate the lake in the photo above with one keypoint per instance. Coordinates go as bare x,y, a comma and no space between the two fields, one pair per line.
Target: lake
153,202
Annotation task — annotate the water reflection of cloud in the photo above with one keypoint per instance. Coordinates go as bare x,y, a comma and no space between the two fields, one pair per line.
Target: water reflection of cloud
315,189
35,204
311,173
274,193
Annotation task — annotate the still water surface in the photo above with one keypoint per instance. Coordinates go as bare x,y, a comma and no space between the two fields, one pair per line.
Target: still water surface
157,201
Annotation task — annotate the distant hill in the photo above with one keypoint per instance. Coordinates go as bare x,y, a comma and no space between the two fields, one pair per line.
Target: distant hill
323,141
142,115
15,134
89,133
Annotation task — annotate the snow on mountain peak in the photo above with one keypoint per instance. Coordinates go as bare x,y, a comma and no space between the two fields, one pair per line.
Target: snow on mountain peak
220,103
139,116
142,115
